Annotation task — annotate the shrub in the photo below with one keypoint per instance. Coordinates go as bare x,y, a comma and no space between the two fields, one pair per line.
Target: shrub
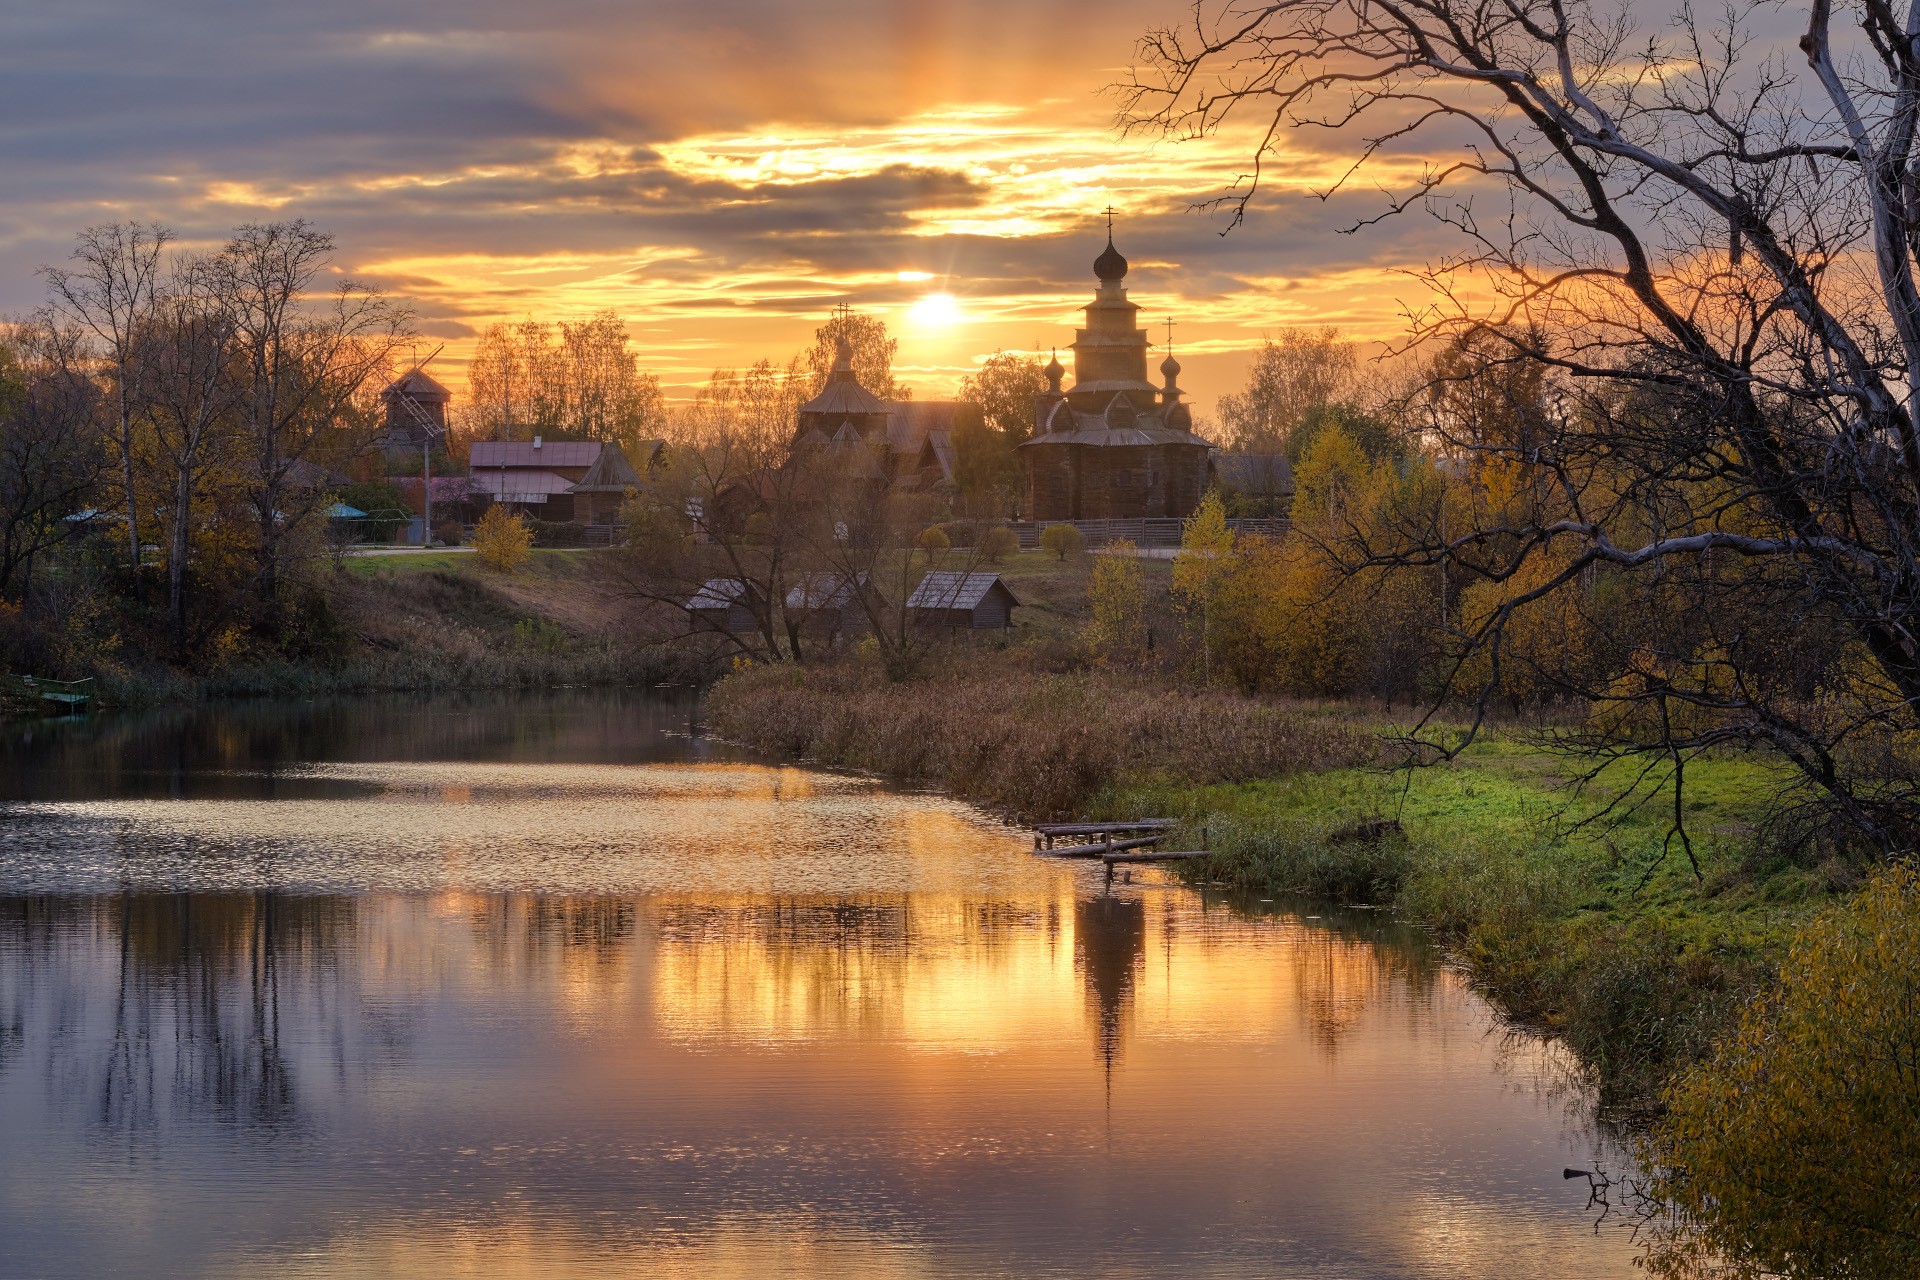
557,533
999,543
934,542
1061,541
502,540
1794,1150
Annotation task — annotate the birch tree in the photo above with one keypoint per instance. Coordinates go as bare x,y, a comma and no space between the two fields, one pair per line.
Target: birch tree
110,292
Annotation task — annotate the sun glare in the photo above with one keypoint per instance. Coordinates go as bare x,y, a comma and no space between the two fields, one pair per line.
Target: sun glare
913,277
936,311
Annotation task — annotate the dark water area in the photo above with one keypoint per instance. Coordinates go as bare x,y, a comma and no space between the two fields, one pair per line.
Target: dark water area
553,986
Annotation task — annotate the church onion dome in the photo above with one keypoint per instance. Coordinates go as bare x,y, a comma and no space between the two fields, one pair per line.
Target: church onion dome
1110,265
1169,368
1055,371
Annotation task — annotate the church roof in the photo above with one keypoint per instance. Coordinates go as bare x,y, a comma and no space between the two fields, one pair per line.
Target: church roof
843,393
1113,430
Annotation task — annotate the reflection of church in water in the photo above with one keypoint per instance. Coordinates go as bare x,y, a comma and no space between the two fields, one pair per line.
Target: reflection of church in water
1109,950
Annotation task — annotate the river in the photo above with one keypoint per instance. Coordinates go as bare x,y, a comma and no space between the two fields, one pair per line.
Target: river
555,986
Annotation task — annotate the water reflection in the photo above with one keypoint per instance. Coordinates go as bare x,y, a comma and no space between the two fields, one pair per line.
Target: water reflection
864,1032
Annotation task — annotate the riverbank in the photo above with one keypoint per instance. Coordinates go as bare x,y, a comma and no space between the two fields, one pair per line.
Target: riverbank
1574,924
425,623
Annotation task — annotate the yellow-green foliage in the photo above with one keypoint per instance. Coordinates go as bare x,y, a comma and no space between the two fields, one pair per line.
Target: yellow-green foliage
1795,1150
1061,541
1118,595
1204,566
934,541
502,541
997,543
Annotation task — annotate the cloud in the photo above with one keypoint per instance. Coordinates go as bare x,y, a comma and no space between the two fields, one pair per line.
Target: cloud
720,174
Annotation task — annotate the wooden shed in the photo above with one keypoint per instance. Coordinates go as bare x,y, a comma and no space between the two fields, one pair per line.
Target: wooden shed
829,604
724,604
945,599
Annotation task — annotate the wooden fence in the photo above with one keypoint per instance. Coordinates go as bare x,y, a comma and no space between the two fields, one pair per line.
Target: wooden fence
1142,533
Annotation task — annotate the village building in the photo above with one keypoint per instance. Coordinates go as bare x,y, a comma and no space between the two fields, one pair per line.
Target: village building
725,605
828,604
414,416
584,481
908,443
1112,446
948,599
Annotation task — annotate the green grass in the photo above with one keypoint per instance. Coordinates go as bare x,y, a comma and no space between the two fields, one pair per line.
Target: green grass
1599,932
545,561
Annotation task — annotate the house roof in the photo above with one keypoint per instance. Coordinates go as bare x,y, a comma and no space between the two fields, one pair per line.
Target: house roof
500,485
943,589
1255,472
610,473
721,593
825,590
523,453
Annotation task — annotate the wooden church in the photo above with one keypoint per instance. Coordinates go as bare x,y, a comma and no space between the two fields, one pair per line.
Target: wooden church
1112,446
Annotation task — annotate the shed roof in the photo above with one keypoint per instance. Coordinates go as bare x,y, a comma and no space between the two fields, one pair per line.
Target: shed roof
944,589
825,590
524,453
721,593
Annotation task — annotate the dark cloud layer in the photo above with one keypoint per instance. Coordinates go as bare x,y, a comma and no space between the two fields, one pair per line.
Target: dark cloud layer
434,135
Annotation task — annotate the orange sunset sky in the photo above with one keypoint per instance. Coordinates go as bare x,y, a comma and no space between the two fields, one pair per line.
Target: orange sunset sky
720,174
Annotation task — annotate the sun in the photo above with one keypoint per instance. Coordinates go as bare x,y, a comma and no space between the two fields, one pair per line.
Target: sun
936,311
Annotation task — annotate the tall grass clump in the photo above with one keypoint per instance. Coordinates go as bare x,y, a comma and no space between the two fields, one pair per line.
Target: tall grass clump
1034,744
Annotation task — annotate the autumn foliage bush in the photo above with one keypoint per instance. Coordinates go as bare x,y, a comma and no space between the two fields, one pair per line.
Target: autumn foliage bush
1039,745
1794,1150
503,541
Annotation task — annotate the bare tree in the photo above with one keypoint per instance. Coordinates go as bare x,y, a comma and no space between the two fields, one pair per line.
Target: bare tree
50,445
1301,371
110,292
187,359
1712,253
304,356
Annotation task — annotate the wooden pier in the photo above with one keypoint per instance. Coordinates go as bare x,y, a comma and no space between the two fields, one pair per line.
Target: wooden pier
68,693
1113,852
1051,831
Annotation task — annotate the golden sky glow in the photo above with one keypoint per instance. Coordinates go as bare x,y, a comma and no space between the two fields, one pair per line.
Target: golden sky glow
722,176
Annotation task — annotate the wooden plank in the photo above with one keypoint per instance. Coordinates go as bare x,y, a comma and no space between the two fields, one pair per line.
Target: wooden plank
1154,856
1098,850
1101,828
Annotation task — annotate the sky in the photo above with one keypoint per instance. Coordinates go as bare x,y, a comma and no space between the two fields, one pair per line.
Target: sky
721,174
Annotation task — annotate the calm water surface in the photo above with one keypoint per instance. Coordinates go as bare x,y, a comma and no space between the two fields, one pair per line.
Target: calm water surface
554,987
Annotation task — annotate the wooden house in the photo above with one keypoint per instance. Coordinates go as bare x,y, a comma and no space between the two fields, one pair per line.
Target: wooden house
977,600
724,605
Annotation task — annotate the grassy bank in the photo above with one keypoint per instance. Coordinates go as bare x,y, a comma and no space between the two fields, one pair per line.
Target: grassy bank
1584,931
432,622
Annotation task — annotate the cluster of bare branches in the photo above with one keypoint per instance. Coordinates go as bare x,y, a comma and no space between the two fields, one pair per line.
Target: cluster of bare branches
248,363
1700,244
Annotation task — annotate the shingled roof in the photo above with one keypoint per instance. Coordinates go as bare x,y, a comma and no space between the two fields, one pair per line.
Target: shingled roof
610,473
943,589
